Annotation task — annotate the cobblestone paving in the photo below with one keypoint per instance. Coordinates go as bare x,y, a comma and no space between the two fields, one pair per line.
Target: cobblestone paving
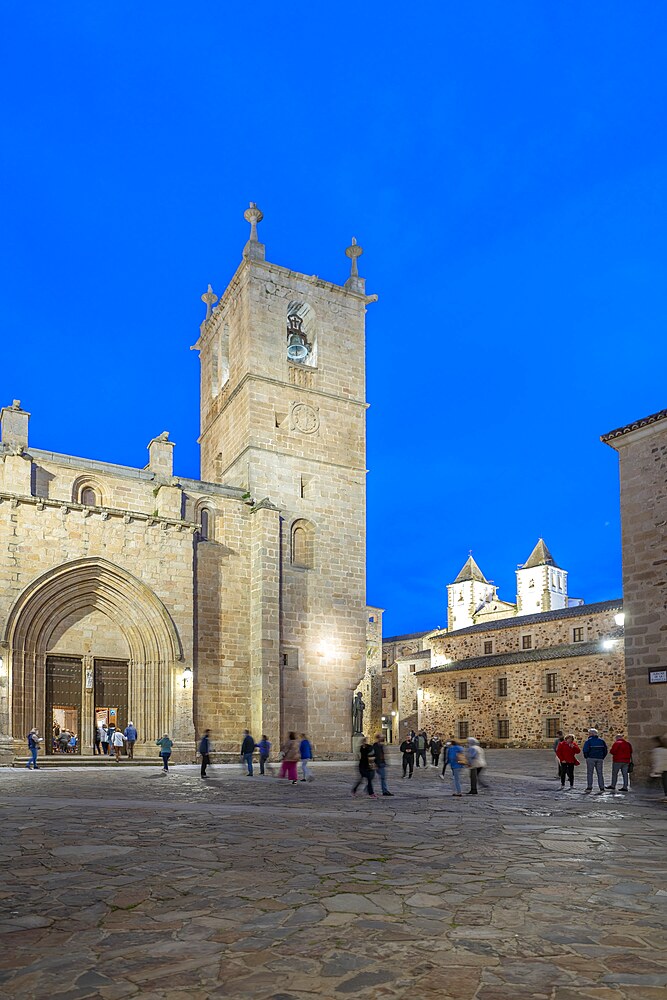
124,882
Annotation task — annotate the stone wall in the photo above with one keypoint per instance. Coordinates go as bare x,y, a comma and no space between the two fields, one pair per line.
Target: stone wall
590,691
642,449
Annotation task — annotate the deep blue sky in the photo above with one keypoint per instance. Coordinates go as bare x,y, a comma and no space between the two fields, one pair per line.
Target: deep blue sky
504,167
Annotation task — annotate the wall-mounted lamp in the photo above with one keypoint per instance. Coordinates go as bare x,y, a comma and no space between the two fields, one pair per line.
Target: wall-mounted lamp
187,677
393,714
608,644
620,619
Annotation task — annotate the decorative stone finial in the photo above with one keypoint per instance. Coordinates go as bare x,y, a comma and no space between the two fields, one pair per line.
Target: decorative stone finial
354,252
210,298
16,404
253,216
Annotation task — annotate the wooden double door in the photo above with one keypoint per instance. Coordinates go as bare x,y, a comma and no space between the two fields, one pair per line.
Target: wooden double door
81,695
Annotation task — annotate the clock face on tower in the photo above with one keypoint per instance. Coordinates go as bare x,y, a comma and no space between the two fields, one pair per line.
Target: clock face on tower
305,418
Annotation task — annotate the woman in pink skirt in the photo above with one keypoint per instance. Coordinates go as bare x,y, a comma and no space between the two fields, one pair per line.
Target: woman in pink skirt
290,758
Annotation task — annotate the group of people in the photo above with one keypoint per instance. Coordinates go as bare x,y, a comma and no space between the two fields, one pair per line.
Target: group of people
110,741
292,751
456,757
595,750
64,741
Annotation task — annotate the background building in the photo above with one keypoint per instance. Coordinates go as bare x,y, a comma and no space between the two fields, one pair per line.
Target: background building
231,602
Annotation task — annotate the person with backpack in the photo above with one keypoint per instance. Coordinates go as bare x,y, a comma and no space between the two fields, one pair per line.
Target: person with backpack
456,758
204,750
264,748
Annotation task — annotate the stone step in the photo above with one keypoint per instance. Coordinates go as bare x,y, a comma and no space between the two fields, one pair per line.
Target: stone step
86,760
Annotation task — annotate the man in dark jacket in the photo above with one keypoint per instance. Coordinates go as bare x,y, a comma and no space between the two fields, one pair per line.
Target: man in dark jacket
435,747
407,748
595,751
247,750
204,750
381,762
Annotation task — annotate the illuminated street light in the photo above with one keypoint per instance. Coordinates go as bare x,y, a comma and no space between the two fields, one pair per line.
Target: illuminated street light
620,619
608,644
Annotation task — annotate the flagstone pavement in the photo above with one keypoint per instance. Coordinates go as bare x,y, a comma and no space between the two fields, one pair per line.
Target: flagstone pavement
124,882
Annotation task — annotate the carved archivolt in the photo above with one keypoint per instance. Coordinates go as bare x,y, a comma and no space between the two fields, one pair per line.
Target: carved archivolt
135,609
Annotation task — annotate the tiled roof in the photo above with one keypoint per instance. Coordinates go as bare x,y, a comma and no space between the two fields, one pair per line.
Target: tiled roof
420,655
562,652
540,556
409,635
521,621
635,426
470,571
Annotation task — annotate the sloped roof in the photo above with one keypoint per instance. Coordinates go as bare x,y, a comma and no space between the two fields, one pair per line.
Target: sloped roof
470,571
634,426
521,621
540,556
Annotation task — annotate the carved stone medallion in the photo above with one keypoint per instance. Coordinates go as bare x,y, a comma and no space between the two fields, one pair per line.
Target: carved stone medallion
305,418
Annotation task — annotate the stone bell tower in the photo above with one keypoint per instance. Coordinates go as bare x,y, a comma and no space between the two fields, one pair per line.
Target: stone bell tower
283,415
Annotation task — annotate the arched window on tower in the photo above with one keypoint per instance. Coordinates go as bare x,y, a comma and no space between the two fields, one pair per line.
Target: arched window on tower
206,518
89,492
88,497
302,554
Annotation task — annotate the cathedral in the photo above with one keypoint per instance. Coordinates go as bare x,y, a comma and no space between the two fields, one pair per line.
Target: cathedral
230,602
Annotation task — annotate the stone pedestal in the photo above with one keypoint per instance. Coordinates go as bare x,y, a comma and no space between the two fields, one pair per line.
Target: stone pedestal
357,740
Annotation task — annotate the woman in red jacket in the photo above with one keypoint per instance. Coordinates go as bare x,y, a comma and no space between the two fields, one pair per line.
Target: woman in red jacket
567,751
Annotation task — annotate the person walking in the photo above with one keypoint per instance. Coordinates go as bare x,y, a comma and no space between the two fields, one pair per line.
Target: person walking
104,739
118,740
97,739
111,730
659,762
165,745
380,760
204,750
306,754
264,748
33,748
566,752
130,733
559,739
247,750
420,748
365,768
444,758
290,751
435,746
621,757
594,751
407,748
456,758
476,763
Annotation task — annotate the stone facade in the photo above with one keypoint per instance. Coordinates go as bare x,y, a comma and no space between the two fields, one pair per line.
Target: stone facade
231,602
642,451
516,681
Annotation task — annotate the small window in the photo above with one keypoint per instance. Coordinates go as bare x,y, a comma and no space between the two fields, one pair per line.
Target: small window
384,662
503,729
502,687
526,642
464,730
412,668
88,497
552,683
462,690
552,727
205,522
578,634
414,705
393,694
302,545
384,694
488,647
371,619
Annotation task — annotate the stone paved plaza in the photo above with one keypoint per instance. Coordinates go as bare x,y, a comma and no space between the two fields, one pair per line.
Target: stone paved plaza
123,882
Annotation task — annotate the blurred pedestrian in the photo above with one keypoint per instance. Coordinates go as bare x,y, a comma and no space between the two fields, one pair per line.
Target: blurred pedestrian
567,754
559,739
104,739
33,748
420,748
659,762
476,763
247,750
264,748
407,748
118,740
97,739
290,752
306,754
456,758
380,760
165,745
444,758
365,768
594,751
621,757
204,751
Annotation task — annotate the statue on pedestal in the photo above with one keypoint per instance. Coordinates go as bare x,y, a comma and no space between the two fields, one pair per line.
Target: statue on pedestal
358,707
